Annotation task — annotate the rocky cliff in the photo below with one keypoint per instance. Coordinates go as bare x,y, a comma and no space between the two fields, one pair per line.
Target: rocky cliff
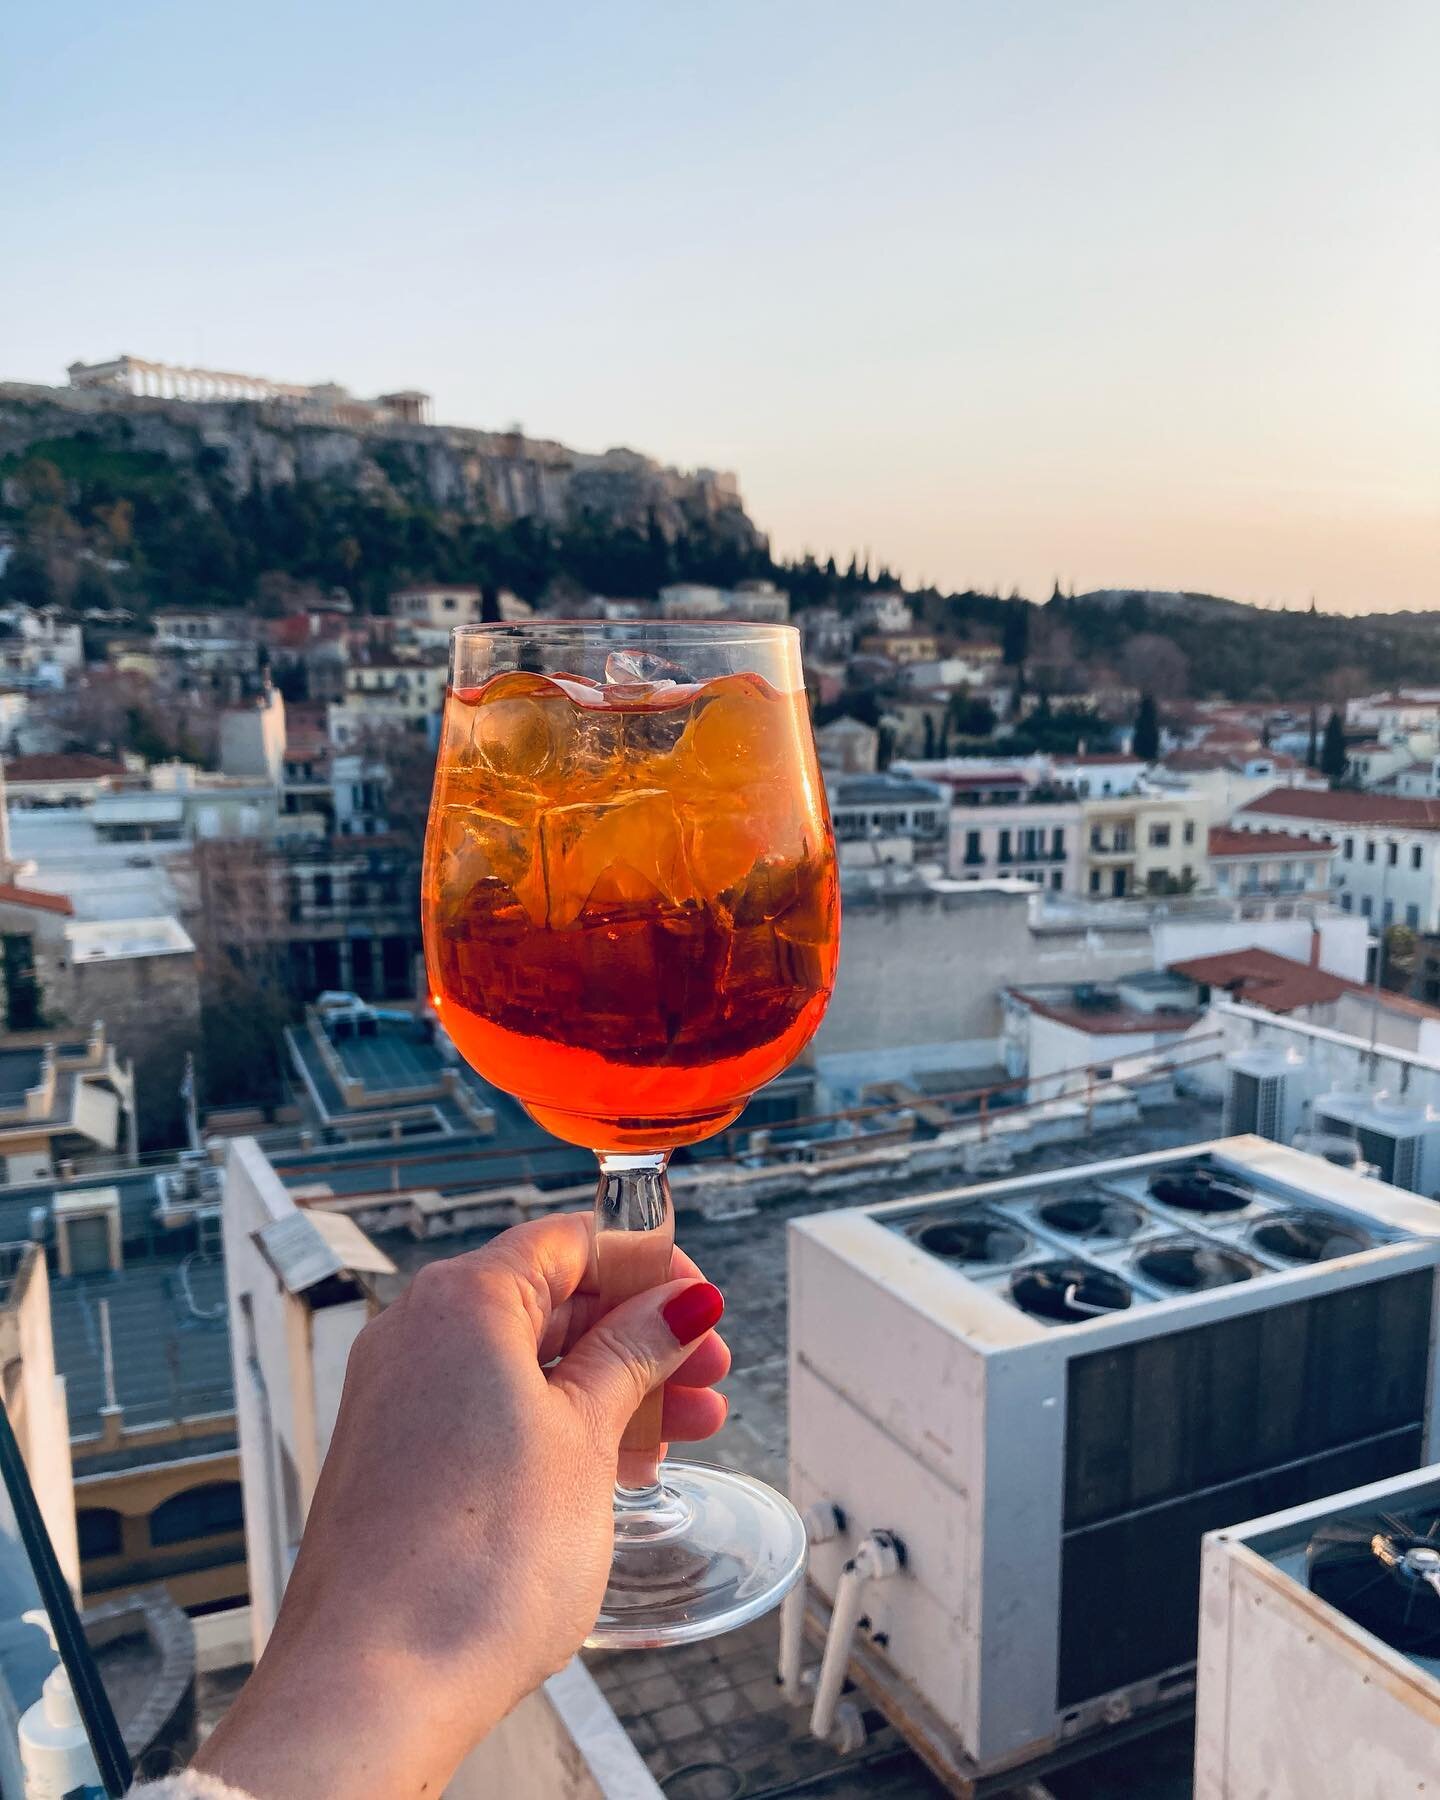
496,476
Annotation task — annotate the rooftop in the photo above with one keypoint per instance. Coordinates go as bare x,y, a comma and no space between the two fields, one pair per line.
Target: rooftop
1104,1013
1348,806
11,895
77,765
1281,985
1226,842
112,940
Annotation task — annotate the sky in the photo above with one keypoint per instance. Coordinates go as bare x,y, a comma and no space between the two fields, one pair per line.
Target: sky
1115,293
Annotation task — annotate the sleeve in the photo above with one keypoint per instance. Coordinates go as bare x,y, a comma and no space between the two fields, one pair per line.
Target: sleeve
186,1786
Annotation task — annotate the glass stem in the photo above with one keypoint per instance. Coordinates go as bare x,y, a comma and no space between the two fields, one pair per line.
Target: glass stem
634,1238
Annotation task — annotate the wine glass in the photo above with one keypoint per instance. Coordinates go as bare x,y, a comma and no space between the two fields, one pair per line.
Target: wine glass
631,919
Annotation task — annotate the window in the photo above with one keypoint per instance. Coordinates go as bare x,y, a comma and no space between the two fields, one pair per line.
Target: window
1094,881
1004,852
1159,837
1365,905
1097,840
1057,879
1349,850
1412,917
448,603
973,853
1222,878
1189,831
1287,871
1389,918
1057,842
98,1529
324,891
1370,852
1394,850
1252,874
1347,902
209,1511
1417,856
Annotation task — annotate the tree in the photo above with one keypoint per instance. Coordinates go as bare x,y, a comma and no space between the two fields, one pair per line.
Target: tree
1333,755
1399,949
1145,743
1015,632
928,750
1312,748
1156,665
1265,735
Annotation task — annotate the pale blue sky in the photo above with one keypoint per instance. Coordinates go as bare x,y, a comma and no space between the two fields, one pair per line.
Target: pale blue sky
1128,292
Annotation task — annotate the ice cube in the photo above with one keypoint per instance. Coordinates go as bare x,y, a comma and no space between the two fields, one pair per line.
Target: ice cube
634,842
520,727
724,848
741,734
642,668
478,853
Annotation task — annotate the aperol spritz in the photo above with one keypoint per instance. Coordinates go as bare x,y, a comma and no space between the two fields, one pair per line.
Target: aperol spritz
631,923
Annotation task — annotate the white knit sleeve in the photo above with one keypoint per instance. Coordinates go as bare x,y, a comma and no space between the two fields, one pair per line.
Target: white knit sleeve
186,1786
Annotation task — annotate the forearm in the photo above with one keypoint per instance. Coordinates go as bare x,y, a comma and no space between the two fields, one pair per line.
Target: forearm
330,1725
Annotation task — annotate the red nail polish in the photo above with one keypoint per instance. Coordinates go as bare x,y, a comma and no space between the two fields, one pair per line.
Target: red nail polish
692,1313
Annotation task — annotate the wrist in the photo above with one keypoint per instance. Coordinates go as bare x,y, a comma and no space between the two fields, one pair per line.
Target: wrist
335,1722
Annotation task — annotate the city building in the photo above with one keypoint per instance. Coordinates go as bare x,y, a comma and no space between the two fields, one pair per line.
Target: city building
1100,774
901,647
1387,866
888,818
828,635
884,612
1066,1036
61,778
398,693
848,746
1038,838
1249,863
760,602
1227,780
1143,844
252,738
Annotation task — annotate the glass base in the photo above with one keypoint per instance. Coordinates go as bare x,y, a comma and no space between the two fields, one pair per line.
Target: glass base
708,1550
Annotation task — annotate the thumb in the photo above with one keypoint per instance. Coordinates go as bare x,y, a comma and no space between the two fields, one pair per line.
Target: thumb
636,1346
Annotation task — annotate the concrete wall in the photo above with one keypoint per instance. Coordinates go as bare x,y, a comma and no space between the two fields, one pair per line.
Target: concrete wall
151,1009
287,1387
35,1399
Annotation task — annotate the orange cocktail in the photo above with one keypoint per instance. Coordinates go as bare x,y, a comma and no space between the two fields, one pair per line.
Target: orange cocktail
631,912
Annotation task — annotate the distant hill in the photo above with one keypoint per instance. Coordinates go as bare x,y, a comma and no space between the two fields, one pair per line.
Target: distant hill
217,494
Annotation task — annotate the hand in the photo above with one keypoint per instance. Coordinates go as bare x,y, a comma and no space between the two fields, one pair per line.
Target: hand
460,1537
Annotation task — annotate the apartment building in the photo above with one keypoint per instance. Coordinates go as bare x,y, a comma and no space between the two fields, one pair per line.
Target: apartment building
1143,844
1387,864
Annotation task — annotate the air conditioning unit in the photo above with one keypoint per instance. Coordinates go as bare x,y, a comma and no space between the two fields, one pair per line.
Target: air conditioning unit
1048,1390
1264,1094
1320,1649
1401,1143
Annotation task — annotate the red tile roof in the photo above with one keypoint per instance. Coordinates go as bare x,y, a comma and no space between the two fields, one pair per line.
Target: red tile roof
1281,985
1107,1021
10,895
63,766
1347,806
1225,842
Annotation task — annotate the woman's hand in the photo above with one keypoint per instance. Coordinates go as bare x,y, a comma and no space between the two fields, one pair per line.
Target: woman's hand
460,1537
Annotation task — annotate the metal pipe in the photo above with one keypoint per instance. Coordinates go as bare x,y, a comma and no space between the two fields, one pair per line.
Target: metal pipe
878,1557
792,1644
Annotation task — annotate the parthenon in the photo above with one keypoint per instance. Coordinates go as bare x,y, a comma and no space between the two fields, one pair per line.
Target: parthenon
172,381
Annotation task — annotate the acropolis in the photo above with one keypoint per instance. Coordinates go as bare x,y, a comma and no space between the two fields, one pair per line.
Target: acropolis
173,381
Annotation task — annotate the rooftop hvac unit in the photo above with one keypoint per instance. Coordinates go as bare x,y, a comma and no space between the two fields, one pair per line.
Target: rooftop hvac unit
1047,1390
1263,1094
1320,1649
1401,1143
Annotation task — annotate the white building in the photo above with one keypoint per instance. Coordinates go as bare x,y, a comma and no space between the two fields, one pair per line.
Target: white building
847,745
1099,776
1249,863
386,696
760,602
437,606
884,613
1040,841
1388,864
252,738
1392,714
887,818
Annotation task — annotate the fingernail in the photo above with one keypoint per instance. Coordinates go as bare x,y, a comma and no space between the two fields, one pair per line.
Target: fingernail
692,1313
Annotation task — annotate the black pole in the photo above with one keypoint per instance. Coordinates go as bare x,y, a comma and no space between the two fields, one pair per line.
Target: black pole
111,1757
